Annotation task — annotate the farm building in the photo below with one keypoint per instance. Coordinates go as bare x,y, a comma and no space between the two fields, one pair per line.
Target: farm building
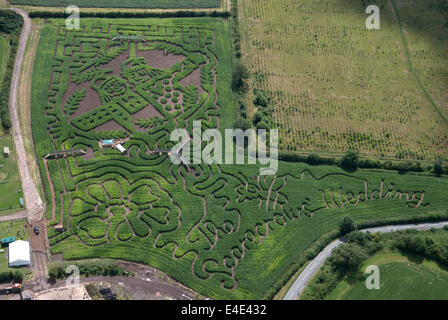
121,148
19,253
6,152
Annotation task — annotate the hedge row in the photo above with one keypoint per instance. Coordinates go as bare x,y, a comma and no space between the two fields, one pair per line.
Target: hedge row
122,14
10,25
8,276
402,166
86,268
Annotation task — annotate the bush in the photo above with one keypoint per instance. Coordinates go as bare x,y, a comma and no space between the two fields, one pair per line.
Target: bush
347,225
9,276
350,160
313,158
260,98
86,268
258,116
239,76
348,257
438,167
242,124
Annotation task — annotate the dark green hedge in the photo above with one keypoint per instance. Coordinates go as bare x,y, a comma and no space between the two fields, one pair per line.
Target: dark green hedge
123,14
10,27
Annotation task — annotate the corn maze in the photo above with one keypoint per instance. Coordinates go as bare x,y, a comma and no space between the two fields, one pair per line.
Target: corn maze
334,85
220,229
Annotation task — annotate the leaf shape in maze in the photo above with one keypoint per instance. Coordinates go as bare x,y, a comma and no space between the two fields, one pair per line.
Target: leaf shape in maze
74,101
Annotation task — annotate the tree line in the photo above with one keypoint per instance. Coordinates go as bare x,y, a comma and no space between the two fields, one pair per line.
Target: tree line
10,27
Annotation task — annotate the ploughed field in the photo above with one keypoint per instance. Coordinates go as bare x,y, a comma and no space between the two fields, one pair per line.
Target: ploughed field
222,230
335,85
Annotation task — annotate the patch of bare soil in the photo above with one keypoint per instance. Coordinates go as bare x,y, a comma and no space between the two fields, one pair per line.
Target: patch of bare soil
193,78
91,100
110,125
89,154
116,63
157,58
57,257
147,112
63,293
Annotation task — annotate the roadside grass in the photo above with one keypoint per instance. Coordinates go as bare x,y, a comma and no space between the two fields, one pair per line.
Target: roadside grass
13,228
402,277
10,188
282,292
3,56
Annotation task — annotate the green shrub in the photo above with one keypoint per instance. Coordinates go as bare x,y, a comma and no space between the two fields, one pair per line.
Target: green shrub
350,160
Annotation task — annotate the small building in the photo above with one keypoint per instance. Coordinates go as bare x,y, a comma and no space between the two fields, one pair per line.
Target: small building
21,202
121,148
6,152
19,253
8,240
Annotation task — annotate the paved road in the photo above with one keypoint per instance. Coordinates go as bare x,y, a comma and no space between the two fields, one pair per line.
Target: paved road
34,204
314,266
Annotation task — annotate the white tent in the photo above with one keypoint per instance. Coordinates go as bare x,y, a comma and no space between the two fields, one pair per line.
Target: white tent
121,148
19,253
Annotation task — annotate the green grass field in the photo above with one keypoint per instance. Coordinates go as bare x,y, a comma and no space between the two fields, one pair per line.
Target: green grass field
162,4
222,230
17,229
335,85
3,56
400,279
10,188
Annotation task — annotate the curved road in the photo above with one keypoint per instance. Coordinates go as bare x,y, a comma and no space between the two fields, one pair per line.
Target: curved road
314,266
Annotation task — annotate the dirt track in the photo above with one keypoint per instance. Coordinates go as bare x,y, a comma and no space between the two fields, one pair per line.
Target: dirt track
146,284
33,201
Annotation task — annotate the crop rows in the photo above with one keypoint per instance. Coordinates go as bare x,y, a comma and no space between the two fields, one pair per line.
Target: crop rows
223,230
334,85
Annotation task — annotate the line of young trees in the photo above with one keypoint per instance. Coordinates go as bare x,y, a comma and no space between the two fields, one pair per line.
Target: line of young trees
10,27
351,161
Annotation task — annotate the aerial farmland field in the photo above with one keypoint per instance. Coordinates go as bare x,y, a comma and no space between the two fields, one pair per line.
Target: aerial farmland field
334,85
222,230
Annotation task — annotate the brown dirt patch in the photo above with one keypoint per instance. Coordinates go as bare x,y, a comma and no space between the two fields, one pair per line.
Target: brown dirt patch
110,125
116,63
91,100
147,112
89,154
156,58
193,78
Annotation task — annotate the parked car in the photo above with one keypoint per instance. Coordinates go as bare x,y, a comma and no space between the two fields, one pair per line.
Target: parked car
36,230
